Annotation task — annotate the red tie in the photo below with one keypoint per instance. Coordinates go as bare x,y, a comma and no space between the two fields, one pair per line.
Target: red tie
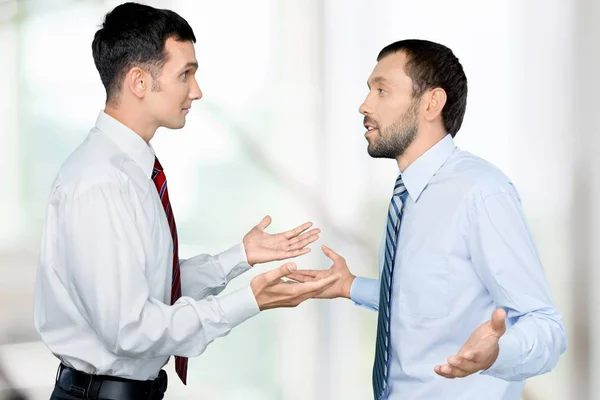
160,180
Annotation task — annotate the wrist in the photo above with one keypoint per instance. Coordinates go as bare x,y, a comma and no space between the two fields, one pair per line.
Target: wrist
255,287
492,359
347,286
249,259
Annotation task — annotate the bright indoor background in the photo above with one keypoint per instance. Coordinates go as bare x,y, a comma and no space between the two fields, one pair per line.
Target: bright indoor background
278,132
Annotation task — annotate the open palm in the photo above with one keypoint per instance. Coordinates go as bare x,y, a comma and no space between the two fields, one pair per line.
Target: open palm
341,288
479,352
264,247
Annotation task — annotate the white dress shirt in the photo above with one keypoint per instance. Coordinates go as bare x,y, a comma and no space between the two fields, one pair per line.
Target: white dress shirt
103,286
464,249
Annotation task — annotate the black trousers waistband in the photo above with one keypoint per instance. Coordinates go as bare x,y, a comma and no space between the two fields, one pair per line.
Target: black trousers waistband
87,386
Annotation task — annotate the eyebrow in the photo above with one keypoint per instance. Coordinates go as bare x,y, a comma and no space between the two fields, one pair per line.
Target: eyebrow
191,64
377,79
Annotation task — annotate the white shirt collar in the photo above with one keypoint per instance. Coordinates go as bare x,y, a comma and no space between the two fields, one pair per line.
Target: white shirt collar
128,141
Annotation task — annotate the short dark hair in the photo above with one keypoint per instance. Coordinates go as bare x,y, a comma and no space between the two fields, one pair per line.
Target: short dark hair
131,35
431,65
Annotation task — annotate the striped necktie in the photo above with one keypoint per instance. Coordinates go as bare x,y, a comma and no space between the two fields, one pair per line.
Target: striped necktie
382,347
160,180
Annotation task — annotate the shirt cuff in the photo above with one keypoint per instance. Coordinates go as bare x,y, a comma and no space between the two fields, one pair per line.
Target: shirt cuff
365,292
233,261
509,357
239,306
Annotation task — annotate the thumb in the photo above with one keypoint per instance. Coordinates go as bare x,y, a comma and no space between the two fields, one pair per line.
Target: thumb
262,225
330,253
280,272
498,321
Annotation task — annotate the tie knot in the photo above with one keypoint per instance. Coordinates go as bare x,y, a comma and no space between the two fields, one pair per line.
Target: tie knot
157,164
399,187
157,168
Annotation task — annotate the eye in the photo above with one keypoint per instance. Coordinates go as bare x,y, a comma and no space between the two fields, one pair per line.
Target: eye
380,91
184,75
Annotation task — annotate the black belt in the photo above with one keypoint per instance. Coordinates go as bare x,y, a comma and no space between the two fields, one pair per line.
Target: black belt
87,386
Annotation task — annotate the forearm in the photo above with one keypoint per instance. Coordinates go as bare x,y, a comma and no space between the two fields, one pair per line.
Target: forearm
530,347
507,263
205,275
186,328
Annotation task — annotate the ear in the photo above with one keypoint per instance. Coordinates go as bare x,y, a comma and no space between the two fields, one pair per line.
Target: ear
137,82
434,103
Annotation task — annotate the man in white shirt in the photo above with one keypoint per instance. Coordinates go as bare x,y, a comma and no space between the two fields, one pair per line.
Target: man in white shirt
113,301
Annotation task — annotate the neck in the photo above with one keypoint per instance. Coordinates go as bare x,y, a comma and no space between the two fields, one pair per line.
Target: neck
134,119
423,141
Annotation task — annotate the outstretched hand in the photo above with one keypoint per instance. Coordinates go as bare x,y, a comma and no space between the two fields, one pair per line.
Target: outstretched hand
479,352
262,247
341,288
271,291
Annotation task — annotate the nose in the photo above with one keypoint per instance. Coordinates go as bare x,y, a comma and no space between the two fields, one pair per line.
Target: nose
365,107
195,92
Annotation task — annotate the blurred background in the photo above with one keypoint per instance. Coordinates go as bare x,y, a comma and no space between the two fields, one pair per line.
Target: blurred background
278,132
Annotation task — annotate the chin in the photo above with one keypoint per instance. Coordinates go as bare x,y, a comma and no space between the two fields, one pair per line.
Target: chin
175,124
373,149
378,152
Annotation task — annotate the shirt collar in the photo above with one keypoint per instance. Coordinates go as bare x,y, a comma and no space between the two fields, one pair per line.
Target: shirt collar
128,141
419,173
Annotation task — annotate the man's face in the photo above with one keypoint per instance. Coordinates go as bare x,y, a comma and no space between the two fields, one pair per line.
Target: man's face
176,88
391,113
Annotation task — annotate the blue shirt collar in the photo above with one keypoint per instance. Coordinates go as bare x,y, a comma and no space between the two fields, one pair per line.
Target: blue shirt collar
419,173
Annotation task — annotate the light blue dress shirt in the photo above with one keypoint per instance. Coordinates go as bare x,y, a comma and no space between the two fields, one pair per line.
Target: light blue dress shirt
464,249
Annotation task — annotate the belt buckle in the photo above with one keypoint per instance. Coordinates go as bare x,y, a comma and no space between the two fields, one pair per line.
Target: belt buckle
70,387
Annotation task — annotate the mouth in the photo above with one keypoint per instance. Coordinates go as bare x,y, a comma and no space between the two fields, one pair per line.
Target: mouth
370,125
371,129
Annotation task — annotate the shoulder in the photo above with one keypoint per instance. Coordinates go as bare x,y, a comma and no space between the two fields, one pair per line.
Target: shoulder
478,177
96,166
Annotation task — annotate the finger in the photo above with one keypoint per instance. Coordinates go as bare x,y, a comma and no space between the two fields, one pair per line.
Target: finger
278,273
313,273
304,242
295,232
499,321
304,236
297,253
301,278
314,231
321,284
292,280
440,370
262,225
331,254
450,372
464,364
469,355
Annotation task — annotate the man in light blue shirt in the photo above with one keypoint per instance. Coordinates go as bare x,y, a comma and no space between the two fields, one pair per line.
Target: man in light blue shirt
461,291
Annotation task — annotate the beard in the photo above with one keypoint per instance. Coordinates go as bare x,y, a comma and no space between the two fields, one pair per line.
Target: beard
393,140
